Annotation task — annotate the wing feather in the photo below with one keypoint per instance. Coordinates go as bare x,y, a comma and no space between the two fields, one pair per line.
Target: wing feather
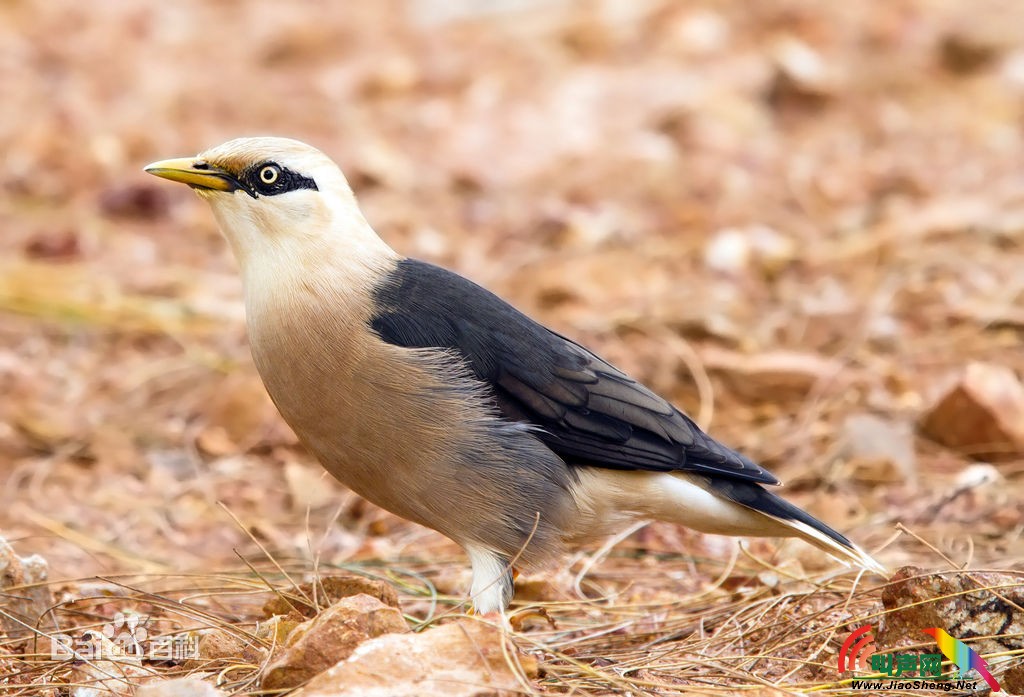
586,410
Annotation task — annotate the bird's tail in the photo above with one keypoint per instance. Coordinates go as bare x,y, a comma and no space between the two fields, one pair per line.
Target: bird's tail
798,522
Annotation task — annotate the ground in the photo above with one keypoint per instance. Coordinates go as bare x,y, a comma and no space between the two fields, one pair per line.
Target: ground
802,222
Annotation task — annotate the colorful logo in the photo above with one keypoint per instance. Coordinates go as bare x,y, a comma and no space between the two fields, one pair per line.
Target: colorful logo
963,655
858,652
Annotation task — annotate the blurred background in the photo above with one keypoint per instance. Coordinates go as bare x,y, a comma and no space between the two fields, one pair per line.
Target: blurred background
801,221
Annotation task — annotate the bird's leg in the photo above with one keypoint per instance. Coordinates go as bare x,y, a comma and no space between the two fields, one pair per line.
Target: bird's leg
492,586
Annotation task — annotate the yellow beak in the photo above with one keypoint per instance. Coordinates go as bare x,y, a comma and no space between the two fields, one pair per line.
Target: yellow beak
195,173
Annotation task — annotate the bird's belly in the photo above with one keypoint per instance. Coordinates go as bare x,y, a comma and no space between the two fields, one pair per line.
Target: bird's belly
351,411
394,427
360,436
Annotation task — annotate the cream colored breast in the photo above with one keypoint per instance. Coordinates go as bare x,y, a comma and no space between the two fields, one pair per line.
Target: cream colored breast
379,417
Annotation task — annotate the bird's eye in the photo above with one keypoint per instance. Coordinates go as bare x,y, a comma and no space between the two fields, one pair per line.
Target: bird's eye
270,179
269,174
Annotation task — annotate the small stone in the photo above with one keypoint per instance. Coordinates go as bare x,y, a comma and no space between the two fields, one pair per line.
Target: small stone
460,659
774,376
139,201
735,250
331,636
701,32
977,41
978,475
330,589
728,252
277,628
982,415
879,450
306,486
538,588
24,595
54,245
802,77
799,61
960,602
218,644
179,687
1012,681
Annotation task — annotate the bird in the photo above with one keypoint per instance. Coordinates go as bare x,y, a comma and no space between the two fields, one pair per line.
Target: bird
962,655
435,399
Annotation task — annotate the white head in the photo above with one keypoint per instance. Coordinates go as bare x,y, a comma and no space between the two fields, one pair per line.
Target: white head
278,200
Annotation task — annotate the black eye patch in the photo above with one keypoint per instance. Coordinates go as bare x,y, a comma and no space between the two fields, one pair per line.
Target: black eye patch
270,179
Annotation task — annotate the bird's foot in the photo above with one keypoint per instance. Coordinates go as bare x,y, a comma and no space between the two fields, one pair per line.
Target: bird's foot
497,618
520,619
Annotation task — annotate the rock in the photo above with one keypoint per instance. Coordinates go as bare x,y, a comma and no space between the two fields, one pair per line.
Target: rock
277,628
390,74
959,602
733,250
61,244
982,416
49,431
960,54
218,644
879,450
239,416
802,77
180,687
308,485
977,41
916,599
773,376
328,590
1012,681
978,475
331,636
701,32
728,251
461,659
24,595
541,588
800,62
139,201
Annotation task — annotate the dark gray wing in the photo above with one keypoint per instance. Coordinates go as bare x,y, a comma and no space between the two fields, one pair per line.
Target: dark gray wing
589,412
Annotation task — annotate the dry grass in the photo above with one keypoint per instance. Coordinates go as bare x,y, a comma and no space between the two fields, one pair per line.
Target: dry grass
756,628
581,163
